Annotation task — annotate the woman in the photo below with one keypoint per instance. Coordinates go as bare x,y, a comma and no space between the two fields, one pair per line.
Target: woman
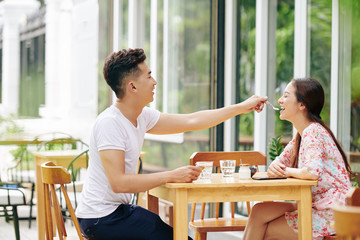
313,154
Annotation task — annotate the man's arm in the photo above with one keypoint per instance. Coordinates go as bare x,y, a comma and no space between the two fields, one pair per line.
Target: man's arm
177,123
113,162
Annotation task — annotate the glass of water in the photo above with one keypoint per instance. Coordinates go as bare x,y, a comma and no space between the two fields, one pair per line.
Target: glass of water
227,168
206,169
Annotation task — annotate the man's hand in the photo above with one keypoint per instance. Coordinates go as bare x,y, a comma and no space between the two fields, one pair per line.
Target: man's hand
184,174
254,103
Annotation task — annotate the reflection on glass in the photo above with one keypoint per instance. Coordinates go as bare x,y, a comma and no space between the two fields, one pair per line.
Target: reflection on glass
352,8
245,69
284,60
183,74
320,48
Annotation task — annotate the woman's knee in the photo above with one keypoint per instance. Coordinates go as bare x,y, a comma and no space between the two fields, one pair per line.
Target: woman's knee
257,210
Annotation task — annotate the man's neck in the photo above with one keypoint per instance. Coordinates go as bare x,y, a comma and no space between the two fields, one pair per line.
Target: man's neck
130,110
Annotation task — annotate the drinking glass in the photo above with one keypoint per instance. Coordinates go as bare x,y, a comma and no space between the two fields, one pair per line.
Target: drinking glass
206,169
227,168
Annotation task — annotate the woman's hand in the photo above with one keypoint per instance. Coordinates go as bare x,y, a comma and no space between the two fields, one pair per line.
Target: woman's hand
276,169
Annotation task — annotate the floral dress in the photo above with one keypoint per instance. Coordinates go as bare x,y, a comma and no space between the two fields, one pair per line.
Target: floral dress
319,154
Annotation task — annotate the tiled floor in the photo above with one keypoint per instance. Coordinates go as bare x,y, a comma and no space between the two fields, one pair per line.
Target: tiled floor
7,230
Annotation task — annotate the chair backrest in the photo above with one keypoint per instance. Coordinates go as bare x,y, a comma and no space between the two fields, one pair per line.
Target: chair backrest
353,197
247,157
62,144
254,158
51,175
347,222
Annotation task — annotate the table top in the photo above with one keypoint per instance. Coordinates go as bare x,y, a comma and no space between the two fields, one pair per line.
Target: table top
59,153
218,181
16,139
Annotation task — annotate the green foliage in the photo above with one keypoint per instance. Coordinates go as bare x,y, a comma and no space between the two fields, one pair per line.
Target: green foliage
9,126
275,148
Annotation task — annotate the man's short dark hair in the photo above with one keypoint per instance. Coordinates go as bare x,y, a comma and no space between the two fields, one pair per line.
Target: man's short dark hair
119,65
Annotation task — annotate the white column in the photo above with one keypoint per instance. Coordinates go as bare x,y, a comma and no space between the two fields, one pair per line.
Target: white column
136,24
334,106
14,12
116,23
84,82
301,40
165,56
230,72
153,44
58,59
261,72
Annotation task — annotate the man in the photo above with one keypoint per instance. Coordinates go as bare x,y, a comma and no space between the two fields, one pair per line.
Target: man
104,211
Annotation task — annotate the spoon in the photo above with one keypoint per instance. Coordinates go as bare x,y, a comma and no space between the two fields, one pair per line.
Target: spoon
275,108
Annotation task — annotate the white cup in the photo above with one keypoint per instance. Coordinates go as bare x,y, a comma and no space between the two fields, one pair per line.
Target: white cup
244,171
227,168
206,169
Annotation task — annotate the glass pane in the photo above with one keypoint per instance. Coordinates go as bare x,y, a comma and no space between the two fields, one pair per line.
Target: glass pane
1,73
32,76
320,48
246,69
104,51
105,45
284,61
188,75
349,24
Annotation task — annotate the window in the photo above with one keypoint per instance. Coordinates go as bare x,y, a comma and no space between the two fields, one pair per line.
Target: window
348,117
284,61
319,24
245,82
32,76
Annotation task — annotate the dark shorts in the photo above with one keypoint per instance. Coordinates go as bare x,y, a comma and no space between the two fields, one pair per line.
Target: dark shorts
127,222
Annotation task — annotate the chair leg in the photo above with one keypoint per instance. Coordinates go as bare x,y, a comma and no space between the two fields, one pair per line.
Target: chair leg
203,235
31,203
16,223
6,214
200,235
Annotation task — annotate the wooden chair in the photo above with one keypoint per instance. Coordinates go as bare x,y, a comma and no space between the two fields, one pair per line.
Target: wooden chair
23,172
203,225
51,175
352,199
347,222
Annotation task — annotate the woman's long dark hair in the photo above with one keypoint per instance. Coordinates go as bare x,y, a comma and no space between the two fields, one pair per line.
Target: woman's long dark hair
311,94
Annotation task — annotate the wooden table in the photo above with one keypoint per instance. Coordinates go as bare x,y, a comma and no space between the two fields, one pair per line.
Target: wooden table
18,139
218,190
60,158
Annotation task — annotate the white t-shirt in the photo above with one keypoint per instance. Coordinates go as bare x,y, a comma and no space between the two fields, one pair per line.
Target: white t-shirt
112,130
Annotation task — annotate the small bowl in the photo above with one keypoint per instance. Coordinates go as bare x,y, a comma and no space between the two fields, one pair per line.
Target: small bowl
253,170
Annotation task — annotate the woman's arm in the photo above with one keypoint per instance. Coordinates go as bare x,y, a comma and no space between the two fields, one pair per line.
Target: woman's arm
301,173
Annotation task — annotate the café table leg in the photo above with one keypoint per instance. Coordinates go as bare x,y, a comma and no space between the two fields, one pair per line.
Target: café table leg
305,214
152,203
180,215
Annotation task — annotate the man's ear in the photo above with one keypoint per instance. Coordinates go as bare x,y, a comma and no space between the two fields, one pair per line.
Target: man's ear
131,86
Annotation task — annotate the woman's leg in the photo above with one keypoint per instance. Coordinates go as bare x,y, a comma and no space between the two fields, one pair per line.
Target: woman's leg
263,213
280,230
